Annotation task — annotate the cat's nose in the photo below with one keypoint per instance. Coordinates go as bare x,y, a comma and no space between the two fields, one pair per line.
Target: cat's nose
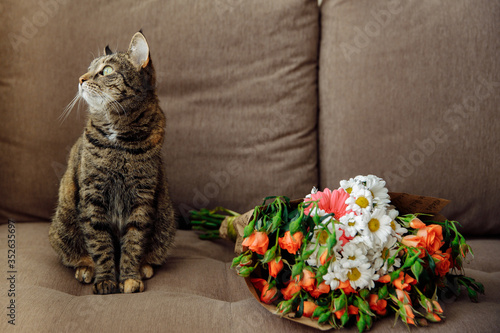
84,77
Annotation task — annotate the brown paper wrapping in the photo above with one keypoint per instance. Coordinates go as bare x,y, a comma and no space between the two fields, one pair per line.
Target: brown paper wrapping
410,204
405,204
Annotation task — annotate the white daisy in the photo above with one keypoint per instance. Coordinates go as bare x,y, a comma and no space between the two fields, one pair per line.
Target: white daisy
362,276
378,190
347,185
360,200
389,250
378,227
352,224
397,229
353,255
335,274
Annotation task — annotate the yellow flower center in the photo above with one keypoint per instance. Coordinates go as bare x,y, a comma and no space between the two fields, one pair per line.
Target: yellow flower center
393,225
354,274
362,202
322,237
349,190
374,225
385,253
352,258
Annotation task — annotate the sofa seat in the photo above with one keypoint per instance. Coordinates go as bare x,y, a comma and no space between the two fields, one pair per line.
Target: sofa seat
195,291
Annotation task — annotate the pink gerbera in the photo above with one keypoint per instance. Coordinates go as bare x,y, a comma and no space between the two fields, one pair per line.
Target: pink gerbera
329,202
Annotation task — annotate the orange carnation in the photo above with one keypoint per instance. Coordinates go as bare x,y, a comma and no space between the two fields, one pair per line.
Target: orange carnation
257,242
289,243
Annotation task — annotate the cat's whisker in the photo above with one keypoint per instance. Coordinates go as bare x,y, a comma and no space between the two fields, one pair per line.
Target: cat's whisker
67,110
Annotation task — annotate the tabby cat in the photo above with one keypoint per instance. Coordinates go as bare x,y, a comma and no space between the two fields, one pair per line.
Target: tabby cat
114,218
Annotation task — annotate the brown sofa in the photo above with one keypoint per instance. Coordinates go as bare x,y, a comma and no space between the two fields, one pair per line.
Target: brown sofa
262,98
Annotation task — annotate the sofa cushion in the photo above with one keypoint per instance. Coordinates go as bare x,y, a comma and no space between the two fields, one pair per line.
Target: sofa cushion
409,91
195,291
236,79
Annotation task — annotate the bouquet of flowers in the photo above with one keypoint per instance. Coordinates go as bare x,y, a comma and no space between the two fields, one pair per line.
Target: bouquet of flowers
347,256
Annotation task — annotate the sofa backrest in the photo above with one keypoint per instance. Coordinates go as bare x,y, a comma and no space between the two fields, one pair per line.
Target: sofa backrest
237,81
410,91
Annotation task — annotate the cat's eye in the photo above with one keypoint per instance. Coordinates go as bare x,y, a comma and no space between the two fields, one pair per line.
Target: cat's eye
107,70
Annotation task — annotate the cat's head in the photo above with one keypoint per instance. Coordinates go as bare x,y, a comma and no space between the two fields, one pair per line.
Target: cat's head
117,83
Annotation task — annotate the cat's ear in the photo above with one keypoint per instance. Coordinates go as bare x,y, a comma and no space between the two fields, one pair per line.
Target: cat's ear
138,51
107,50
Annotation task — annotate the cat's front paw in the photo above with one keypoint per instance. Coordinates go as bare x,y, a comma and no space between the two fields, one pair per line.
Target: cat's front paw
105,287
84,274
131,286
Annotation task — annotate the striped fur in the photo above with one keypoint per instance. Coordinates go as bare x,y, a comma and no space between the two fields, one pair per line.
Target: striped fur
114,218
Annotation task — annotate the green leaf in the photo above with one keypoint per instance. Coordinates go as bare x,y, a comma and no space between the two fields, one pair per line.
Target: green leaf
364,293
361,324
382,292
417,269
249,229
363,306
319,310
300,312
345,318
269,255
284,307
297,269
340,302
323,318
295,225
331,242
432,264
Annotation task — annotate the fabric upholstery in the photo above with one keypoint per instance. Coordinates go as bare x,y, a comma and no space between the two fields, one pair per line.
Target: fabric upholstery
410,91
195,291
237,81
